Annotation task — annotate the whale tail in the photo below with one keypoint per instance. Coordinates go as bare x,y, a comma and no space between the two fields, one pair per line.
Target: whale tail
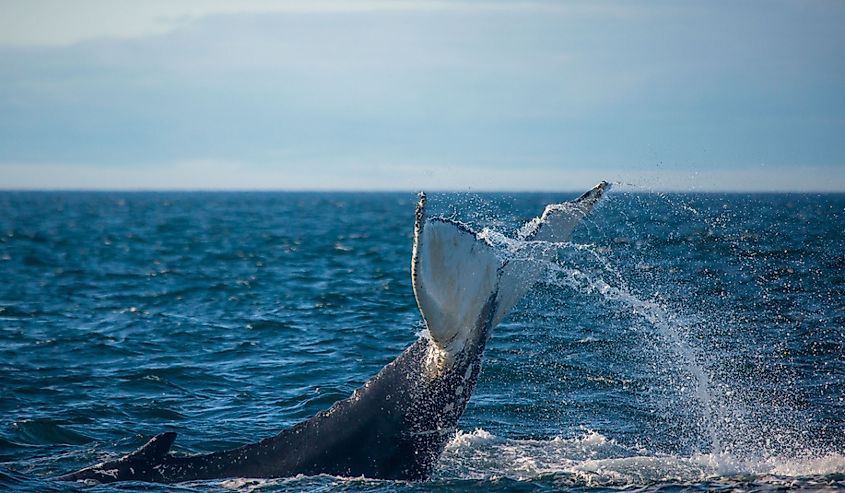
459,281
463,289
141,464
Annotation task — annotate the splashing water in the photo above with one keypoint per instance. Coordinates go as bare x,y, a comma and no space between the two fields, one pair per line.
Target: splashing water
593,459
738,441
669,327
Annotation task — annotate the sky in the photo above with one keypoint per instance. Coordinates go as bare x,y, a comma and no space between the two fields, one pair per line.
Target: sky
410,95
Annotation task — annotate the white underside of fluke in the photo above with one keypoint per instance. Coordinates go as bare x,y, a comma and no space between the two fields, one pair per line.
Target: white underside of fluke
454,278
463,287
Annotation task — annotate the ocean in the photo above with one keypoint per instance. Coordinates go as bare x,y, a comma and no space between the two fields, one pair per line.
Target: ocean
680,341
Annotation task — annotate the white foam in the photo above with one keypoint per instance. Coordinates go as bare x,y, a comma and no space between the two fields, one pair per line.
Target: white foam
594,459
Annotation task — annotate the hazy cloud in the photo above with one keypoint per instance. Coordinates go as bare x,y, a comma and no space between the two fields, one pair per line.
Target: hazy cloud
326,92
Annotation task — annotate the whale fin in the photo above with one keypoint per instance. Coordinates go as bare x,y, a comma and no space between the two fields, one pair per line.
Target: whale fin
156,448
558,220
455,277
555,225
138,465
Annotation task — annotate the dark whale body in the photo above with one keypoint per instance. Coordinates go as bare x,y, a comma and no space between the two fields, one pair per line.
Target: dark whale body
396,425
374,433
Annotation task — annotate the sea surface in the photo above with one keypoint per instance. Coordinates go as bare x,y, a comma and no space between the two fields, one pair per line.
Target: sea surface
680,341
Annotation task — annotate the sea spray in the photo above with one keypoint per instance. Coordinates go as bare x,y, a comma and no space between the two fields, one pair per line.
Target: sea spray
736,442
733,414
592,459
669,327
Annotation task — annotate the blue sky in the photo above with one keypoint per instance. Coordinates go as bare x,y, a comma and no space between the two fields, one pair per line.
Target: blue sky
498,95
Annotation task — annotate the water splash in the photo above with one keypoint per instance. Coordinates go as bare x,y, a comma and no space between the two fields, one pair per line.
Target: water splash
742,422
593,459
671,330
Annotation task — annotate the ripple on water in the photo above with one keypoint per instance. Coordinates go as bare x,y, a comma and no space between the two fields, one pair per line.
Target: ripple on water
674,322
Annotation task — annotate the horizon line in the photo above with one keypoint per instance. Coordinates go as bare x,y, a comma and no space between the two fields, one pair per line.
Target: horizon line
615,187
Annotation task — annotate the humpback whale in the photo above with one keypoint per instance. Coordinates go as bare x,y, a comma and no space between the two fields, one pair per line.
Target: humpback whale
397,424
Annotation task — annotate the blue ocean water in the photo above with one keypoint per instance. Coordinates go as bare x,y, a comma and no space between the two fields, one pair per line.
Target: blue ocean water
681,341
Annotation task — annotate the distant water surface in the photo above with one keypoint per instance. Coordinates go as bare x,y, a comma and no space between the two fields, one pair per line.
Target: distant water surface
681,341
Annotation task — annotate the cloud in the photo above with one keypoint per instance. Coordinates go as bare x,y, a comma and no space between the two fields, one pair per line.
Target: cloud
60,22
474,92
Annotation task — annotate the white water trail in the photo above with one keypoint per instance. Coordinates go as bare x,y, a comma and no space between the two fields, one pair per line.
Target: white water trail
595,460
670,328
